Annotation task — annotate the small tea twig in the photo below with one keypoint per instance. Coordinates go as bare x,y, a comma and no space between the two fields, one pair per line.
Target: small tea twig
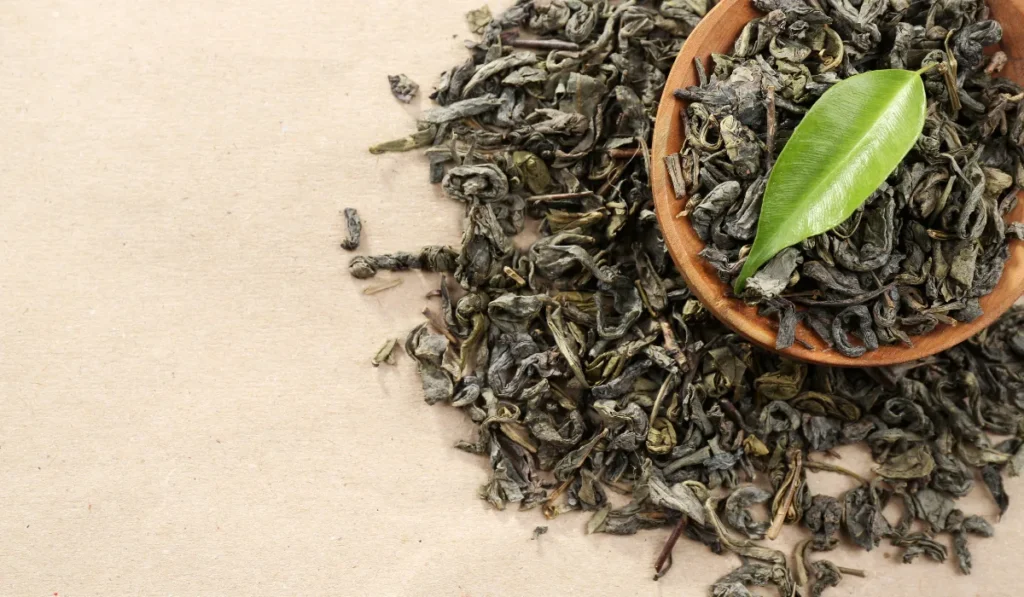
544,44
664,561
514,275
666,386
384,353
612,180
377,288
814,465
796,469
950,74
800,567
671,345
439,325
702,75
623,153
734,414
770,140
686,127
559,196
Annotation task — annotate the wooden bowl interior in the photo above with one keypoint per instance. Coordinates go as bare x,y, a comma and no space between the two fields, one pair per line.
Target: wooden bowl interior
716,34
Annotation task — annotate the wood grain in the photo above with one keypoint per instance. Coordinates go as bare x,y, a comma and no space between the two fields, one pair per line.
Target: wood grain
716,33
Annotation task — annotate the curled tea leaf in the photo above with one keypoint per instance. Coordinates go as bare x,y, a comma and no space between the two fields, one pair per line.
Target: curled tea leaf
915,463
485,182
678,497
421,138
428,350
403,88
384,353
737,514
479,18
353,229
463,109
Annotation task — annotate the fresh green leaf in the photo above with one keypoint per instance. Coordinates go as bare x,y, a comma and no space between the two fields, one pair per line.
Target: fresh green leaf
845,147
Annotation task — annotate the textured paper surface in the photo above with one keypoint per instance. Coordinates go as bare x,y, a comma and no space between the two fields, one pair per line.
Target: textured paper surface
186,402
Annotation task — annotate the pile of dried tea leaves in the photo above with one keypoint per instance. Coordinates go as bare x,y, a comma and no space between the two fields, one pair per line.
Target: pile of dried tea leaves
589,368
927,244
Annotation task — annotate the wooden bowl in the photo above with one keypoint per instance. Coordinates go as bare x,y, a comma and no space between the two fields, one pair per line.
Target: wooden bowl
716,34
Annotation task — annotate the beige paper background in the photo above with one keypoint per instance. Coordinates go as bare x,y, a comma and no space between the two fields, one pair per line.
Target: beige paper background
186,406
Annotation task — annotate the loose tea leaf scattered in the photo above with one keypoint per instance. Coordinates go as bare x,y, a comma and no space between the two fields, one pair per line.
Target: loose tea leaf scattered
478,19
431,259
403,88
589,369
384,354
353,229
930,240
381,287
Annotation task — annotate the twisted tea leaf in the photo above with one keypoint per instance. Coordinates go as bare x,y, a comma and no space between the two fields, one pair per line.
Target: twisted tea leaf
385,352
848,143
403,88
737,515
353,229
428,349
431,259
463,109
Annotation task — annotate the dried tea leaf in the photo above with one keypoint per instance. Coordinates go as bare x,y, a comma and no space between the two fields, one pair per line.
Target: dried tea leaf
994,481
430,258
479,18
823,518
381,287
915,463
428,350
403,88
384,353
753,574
739,517
458,110
421,138
353,229
678,497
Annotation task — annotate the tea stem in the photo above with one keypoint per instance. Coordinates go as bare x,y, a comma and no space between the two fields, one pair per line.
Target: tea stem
730,410
670,342
664,561
514,275
623,153
800,567
769,151
378,288
559,197
852,572
796,469
666,386
544,44
814,465
439,325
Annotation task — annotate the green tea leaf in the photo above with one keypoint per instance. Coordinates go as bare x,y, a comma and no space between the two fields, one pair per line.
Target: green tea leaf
846,146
